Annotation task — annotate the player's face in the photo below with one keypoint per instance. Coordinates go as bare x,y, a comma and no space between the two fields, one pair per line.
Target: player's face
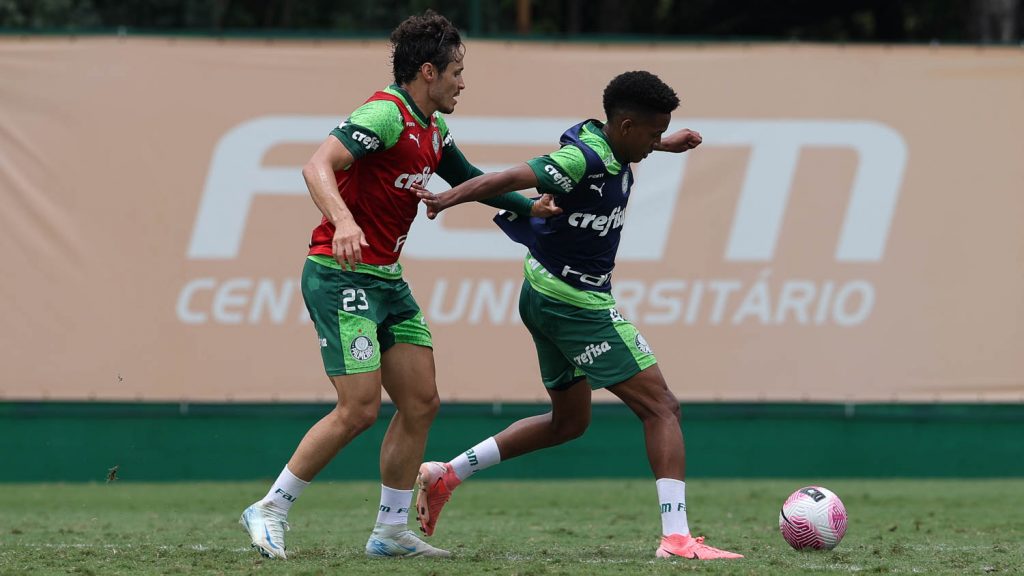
643,132
445,90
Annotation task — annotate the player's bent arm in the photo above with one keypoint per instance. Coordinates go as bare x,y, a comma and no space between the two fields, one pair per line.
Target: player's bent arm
318,173
679,141
520,177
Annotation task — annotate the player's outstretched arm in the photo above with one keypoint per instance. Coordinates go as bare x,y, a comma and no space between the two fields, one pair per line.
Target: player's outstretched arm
679,141
519,177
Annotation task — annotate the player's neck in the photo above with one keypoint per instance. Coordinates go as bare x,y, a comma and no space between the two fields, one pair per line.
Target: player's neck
613,143
418,92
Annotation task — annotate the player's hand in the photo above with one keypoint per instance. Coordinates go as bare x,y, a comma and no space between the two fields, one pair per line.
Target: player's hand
680,141
545,207
435,203
348,244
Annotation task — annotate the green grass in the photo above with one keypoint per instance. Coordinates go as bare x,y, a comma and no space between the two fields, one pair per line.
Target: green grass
524,528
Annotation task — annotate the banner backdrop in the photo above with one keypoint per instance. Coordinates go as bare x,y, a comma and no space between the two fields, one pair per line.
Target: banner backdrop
850,229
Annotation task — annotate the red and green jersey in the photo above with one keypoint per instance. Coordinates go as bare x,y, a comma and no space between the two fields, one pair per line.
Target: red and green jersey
395,146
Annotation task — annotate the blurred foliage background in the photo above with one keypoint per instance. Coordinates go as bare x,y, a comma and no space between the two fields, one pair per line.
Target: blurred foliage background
917,21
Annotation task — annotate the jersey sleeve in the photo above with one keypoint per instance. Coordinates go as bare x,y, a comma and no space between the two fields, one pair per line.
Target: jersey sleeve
559,172
373,127
455,170
453,167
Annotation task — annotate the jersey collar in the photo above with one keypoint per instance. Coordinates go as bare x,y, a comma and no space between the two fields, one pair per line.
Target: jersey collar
406,99
594,127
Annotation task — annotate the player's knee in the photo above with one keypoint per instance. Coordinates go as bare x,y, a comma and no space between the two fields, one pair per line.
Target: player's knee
570,429
358,418
430,406
668,408
422,409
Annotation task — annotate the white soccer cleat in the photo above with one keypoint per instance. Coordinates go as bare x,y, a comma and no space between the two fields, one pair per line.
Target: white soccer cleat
399,542
266,526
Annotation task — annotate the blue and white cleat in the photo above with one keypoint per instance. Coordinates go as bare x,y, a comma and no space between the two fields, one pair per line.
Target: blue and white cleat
266,526
399,542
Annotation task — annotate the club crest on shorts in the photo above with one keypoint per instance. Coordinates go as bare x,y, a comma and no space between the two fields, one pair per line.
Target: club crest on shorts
361,348
641,344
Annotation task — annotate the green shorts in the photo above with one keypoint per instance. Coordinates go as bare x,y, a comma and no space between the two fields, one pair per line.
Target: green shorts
574,342
359,316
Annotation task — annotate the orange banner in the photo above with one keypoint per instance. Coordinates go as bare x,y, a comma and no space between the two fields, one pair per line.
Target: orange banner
848,231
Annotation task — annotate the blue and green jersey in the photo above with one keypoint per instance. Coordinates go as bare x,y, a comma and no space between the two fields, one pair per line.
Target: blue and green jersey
577,248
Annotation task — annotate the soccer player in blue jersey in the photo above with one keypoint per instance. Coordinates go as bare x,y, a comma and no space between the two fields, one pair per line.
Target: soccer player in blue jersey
582,342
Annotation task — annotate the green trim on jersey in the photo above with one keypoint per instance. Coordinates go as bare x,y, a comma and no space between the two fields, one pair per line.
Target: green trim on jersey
401,94
552,169
592,135
373,127
549,285
559,172
378,124
443,127
386,271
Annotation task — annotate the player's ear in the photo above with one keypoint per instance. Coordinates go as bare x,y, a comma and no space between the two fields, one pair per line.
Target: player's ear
428,71
626,125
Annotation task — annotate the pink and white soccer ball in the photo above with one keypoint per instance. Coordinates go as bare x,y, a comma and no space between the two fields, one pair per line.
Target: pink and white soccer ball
813,517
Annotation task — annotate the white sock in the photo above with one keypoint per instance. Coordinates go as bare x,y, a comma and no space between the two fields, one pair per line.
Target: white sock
285,491
672,495
394,506
483,455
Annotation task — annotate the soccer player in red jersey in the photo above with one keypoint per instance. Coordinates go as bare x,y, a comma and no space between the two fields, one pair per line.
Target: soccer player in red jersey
371,331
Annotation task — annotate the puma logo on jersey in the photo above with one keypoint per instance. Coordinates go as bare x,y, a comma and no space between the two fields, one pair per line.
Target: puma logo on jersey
415,137
598,189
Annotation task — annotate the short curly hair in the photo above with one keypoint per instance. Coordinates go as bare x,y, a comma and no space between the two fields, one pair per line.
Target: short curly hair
638,92
429,37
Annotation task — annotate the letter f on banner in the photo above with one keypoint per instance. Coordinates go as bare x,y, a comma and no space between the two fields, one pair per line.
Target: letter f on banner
237,175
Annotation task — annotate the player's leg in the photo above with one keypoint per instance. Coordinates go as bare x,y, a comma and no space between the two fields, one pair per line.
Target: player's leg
648,396
568,419
346,331
549,325
408,377
407,373
356,410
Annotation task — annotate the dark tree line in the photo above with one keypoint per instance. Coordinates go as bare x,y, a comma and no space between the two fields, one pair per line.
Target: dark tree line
985,21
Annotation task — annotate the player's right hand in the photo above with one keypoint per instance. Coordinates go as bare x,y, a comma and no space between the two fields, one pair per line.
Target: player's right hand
348,244
545,207
435,204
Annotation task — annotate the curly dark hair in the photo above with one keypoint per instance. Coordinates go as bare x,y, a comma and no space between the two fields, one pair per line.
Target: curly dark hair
638,92
419,39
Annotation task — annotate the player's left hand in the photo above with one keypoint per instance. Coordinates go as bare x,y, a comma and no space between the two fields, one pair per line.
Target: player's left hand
545,207
680,141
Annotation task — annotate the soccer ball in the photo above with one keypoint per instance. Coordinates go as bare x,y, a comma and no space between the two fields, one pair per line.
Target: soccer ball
813,517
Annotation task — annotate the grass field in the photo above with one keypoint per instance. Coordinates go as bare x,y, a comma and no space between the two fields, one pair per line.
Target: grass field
525,528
